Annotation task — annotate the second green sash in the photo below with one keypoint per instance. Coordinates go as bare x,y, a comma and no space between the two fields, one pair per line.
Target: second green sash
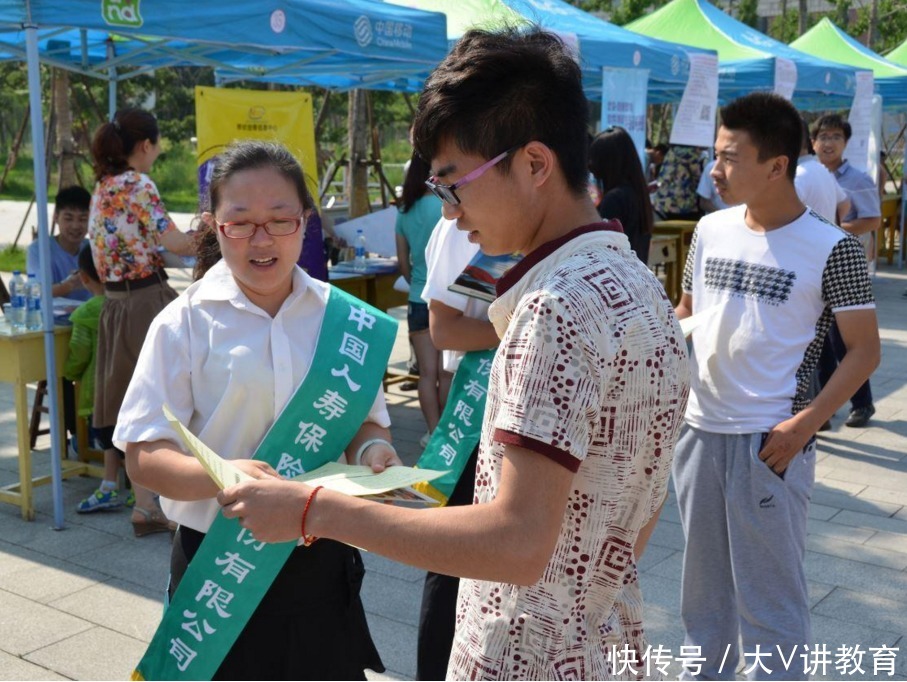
232,571
460,428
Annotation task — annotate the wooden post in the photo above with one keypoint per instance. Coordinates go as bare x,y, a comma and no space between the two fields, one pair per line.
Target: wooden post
63,129
357,177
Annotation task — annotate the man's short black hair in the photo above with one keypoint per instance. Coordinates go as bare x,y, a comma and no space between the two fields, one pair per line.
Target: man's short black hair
832,122
73,197
498,90
773,124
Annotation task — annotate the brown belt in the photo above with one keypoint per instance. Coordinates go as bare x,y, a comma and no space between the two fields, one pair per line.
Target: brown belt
133,284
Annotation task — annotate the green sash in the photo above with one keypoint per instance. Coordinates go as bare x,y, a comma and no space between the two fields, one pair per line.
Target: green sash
232,571
460,428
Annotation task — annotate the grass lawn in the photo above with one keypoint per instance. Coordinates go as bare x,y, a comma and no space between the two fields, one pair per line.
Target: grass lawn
12,259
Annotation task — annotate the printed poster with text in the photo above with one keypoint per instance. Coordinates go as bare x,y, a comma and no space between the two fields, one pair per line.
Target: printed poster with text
624,104
224,115
857,151
694,122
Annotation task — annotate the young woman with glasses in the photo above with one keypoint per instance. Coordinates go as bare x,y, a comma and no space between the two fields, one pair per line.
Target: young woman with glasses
226,357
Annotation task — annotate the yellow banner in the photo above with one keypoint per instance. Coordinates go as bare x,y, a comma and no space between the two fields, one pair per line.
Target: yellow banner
224,115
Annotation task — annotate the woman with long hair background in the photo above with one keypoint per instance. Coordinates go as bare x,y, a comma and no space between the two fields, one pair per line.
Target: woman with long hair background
419,212
614,161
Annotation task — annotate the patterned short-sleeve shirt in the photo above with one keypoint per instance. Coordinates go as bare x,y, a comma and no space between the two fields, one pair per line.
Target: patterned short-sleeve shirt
591,372
126,221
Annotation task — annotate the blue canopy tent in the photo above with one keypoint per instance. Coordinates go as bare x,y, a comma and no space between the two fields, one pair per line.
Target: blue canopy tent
600,44
604,44
749,60
70,34
310,37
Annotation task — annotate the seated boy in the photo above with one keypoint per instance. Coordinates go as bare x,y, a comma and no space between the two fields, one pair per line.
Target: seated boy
71,217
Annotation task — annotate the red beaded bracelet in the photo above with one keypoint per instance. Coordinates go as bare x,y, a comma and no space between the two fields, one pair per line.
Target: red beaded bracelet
308,539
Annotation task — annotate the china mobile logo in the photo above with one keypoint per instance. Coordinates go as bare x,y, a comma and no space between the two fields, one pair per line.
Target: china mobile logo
362,29
122,13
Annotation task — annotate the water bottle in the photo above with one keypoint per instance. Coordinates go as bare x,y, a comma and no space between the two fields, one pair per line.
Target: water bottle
17,296
359,259
32,303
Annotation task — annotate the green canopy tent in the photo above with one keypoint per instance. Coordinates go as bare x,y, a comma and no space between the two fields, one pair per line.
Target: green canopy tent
829,42
747,59
898,55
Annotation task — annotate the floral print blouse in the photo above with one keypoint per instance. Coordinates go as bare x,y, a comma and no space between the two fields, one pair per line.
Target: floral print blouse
678,180
125,225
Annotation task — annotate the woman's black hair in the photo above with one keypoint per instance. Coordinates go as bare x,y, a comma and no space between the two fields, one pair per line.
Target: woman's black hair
114,141
414,183
242,156
614,161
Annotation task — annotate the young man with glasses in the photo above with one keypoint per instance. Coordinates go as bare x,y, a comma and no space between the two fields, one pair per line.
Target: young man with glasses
585,394
831,133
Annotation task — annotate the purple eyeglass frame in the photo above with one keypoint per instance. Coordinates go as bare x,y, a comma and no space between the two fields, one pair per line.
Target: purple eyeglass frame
448,194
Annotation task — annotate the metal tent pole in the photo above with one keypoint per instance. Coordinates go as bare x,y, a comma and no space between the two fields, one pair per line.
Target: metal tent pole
44,277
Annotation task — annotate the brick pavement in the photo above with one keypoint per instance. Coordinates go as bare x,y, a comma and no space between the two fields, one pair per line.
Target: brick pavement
82,603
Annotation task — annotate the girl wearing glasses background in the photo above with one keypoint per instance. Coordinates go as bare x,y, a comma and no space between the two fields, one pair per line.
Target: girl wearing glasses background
127,225
226,356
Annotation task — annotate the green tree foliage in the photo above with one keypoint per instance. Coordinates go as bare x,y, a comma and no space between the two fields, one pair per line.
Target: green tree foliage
892,27
174,105
747,12
786,28
620,12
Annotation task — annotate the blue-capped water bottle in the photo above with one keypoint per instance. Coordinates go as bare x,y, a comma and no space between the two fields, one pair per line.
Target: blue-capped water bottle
359,258
33,303
17,296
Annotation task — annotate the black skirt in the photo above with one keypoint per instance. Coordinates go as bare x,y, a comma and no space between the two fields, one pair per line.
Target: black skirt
310,625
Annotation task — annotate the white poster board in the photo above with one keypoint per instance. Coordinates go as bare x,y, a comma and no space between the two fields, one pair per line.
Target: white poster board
378,228
694,122
624,103
874,161
860,119
785,77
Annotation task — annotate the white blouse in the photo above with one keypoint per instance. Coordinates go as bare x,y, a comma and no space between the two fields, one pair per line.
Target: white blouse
226,369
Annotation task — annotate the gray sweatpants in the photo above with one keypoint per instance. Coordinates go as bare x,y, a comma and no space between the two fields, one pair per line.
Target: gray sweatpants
743,577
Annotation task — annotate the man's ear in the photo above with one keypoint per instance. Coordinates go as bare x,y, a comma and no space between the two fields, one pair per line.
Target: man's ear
779,167
542,161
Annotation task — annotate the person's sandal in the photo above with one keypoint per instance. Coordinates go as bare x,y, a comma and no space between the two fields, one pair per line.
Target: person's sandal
154,522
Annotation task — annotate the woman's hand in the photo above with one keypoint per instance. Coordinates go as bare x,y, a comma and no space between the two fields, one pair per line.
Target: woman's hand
255,468
380,456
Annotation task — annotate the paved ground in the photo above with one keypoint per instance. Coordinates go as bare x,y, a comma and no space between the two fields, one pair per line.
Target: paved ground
82,603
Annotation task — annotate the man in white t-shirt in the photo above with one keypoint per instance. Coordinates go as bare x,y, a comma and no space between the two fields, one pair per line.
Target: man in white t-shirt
816,186
458,324
769,276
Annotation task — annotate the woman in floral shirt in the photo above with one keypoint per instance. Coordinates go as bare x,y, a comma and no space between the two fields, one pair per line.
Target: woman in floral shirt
678,179
127,225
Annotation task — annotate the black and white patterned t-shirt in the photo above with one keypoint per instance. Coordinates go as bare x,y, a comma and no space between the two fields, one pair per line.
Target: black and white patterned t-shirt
773,295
